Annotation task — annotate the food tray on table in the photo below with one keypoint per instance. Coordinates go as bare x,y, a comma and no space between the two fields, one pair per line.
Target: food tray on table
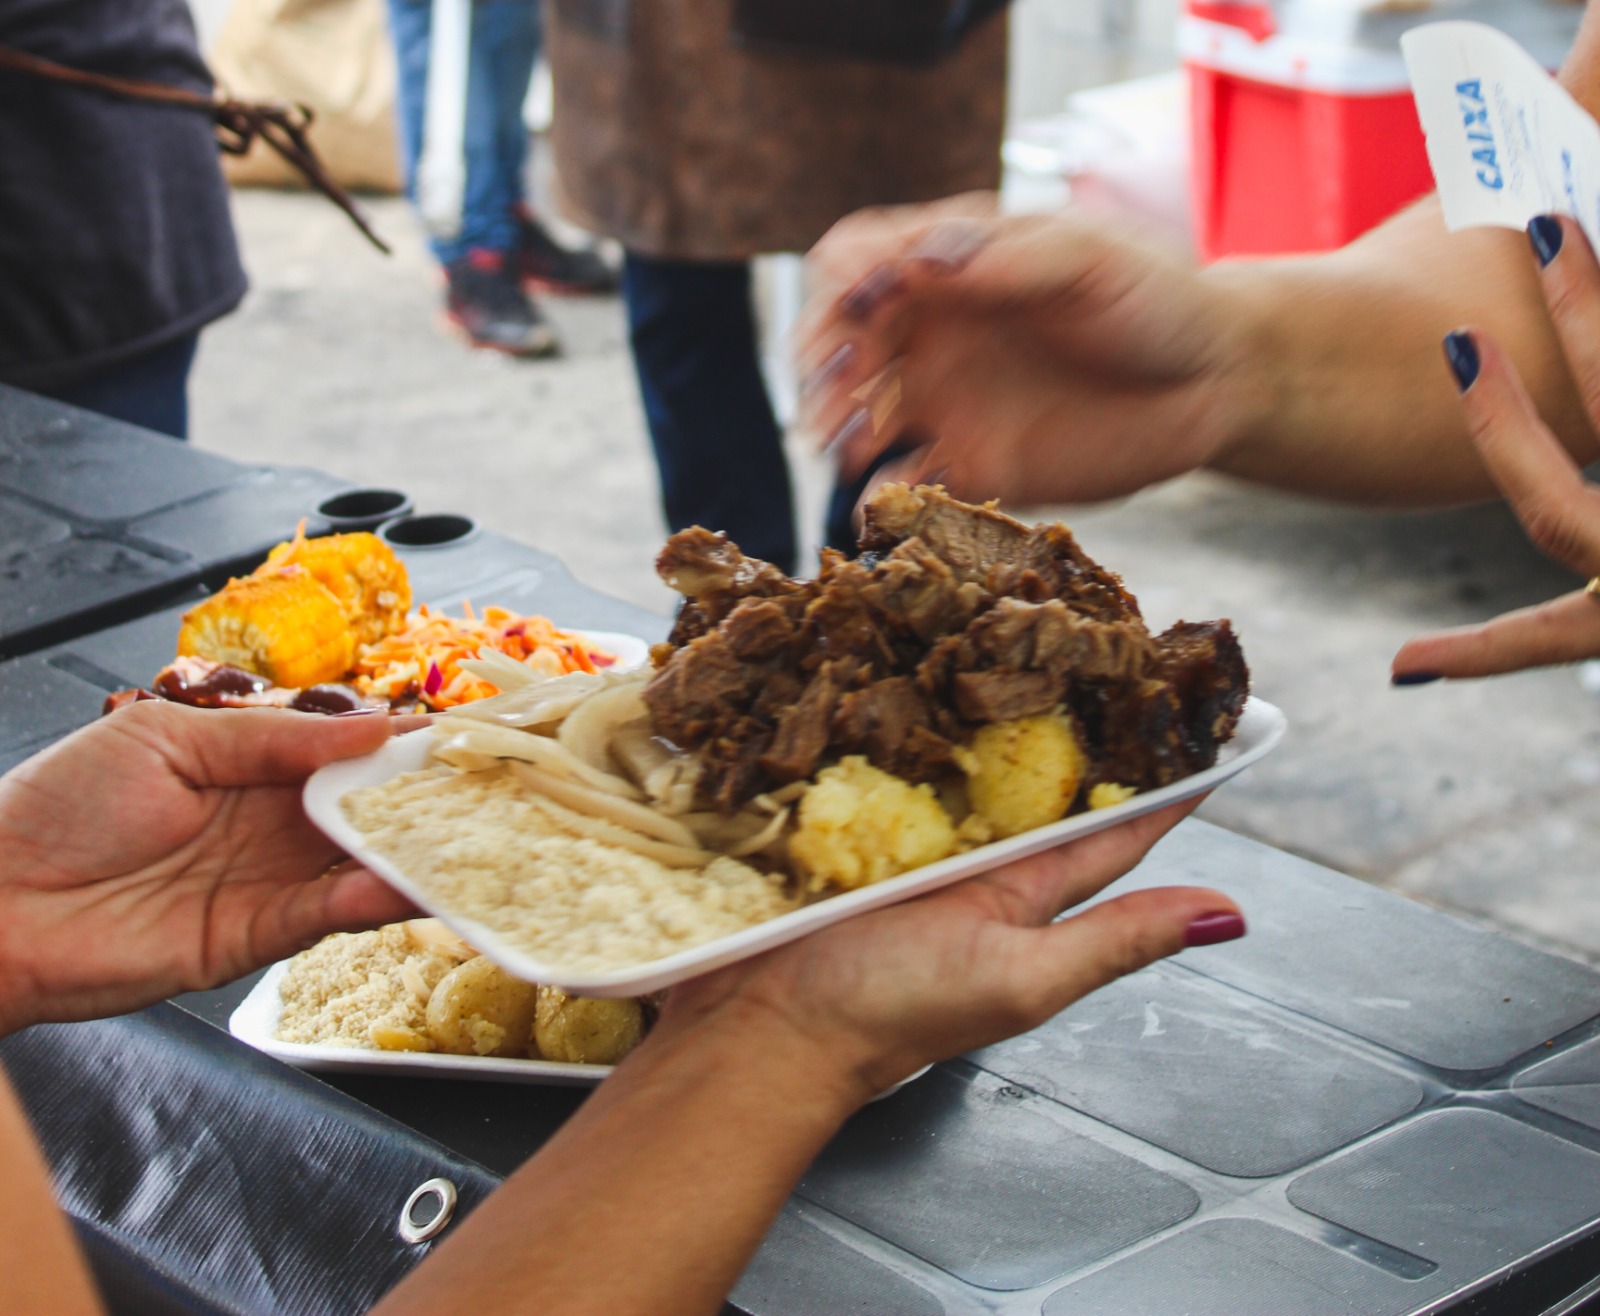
255,1023
1260,728
46,694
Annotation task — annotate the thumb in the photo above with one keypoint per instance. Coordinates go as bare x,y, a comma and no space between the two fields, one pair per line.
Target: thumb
264,746
1067,960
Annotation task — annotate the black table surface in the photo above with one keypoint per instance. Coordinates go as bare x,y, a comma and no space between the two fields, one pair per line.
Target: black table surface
1365,1106
100,521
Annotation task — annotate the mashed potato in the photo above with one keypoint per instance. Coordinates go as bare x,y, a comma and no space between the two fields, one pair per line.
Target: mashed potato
1025,773
859,825
1107,795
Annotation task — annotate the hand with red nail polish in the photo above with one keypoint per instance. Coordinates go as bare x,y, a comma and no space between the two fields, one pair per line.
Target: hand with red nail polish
886,993
163,849
1557,505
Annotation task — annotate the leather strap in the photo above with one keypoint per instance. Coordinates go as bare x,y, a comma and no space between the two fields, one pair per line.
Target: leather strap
239,124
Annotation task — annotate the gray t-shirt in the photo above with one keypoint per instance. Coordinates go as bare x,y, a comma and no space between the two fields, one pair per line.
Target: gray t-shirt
115,236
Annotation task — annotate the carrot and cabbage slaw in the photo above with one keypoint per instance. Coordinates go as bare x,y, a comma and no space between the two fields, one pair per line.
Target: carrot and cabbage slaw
424,659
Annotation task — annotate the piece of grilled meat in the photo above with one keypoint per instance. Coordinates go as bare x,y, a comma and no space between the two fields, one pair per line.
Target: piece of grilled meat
955,616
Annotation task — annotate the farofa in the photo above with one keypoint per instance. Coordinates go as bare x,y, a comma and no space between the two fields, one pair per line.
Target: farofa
481,843
346,985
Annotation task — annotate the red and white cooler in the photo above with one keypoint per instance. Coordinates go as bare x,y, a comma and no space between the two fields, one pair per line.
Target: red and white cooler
1304,131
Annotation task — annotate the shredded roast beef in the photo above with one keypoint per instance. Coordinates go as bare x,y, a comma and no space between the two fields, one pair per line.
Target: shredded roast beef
955,616
714,577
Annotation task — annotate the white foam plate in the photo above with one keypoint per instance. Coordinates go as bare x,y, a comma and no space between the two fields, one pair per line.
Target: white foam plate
629,650
1260,728
255,1022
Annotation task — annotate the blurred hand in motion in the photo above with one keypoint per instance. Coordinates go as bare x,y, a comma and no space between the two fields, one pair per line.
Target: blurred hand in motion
1035,358
1558,508
875,998
164,849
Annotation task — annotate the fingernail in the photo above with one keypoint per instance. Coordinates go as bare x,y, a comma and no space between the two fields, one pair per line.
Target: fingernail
1462,354
1209,929
1544,233
1415,678
862,300
837,362
854,426
949,246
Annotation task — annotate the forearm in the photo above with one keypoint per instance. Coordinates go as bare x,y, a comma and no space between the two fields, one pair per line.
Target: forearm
1350,398
39,1258
654,1195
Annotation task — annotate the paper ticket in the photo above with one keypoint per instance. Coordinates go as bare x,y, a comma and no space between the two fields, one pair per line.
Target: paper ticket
1505,139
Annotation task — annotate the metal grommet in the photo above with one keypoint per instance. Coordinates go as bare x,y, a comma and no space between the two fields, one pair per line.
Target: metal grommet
427,1211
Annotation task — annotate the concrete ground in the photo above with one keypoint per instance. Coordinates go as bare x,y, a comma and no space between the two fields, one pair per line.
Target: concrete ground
1479,797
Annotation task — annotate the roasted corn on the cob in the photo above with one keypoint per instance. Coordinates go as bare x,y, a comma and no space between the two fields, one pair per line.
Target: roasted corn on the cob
359,570
286,626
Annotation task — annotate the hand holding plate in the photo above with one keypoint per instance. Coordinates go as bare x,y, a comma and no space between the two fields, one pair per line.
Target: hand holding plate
880,996
164,849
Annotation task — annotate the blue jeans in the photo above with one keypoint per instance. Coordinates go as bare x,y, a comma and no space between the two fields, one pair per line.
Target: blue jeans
718,447
504,46
150,390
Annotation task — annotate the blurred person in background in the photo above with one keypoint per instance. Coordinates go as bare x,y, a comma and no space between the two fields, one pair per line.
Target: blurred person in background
116,244
501,249
698,147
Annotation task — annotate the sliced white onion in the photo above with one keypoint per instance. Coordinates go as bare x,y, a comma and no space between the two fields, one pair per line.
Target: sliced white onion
502,670
639,752
609,833
588,728
599,804
468,760
551,755
772,801
762,839
546,700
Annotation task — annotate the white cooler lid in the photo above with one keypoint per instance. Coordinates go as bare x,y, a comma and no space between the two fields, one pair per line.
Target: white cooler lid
1353,46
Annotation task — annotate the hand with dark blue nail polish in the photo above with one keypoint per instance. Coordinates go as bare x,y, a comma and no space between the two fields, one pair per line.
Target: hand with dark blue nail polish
1540,478
1545,236
1462,354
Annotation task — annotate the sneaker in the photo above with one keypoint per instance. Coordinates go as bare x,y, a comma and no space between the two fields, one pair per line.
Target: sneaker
485,301
546,264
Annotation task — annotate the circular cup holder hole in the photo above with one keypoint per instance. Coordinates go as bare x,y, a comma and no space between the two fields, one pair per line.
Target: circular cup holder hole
435,531
363,509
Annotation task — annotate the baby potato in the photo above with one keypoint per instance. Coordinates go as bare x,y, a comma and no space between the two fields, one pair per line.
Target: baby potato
1025,773
859,825
478,1009
580,1030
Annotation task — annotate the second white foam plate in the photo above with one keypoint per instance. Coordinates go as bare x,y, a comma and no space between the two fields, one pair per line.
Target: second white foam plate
256,1020
629,650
